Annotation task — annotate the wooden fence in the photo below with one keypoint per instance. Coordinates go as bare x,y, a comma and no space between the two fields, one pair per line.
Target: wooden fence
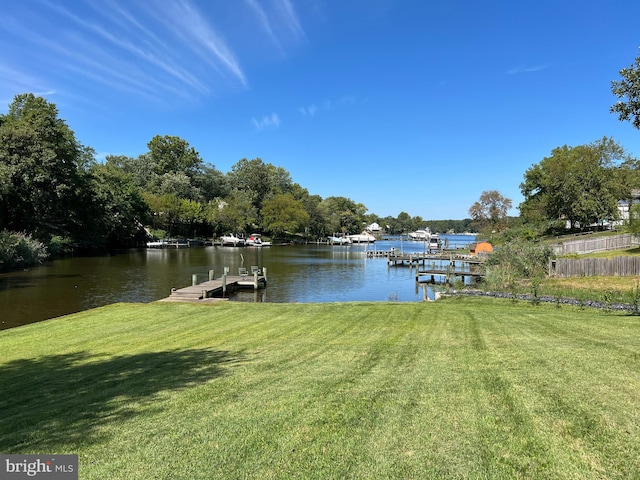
585,267
599,244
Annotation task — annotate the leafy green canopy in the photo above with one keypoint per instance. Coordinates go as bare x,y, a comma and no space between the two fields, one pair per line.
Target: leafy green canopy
52,188
40,162
581,184
628,90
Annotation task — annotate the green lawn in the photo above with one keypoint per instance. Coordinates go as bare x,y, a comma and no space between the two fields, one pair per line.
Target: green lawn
459,388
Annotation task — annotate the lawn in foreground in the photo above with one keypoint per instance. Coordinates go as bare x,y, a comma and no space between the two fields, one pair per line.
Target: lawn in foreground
460,388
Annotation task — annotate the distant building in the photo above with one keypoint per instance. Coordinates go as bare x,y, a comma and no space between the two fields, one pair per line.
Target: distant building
374,227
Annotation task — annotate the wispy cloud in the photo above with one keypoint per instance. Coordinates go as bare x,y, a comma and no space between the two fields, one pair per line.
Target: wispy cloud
265,23
155,50
312,109
309,111
15,81
278,19
290,17
185,21
518,70
163,51
268,121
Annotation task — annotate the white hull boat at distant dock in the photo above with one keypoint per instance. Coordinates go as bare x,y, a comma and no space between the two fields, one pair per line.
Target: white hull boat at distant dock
255,240
420,235
364,237
231,240
339,239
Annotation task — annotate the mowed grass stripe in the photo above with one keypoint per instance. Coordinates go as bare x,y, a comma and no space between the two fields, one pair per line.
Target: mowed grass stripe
461,388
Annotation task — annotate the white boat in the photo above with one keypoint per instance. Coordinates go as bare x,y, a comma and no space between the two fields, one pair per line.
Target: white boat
435,242
255,240
364,237
339,239
420,235
231,240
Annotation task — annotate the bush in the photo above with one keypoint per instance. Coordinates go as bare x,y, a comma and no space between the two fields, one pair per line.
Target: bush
60,245
20,250
516,261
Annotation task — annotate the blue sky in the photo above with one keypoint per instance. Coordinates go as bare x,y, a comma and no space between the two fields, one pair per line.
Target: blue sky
405,106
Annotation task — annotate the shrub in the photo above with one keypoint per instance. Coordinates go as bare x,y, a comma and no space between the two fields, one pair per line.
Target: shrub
20,250
60,245
515,261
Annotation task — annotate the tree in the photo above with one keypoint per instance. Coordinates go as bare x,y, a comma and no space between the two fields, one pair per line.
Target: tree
634,219
259,180
404,223
211,183
284,214
580,184
234,213
171,154
490,211
41,170
342,214
118,207
141,169
628,89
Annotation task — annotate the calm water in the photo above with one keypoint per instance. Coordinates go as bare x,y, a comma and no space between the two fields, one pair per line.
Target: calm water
303,273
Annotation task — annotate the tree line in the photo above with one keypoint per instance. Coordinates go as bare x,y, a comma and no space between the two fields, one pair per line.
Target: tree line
54,191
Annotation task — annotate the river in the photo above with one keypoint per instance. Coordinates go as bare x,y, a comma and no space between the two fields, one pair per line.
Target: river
295,273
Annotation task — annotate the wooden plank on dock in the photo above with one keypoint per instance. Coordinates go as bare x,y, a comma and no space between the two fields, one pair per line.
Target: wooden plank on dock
207,291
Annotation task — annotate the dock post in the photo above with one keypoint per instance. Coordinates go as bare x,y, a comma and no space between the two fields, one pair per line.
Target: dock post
264,274
224,282
211,272
194,279
255,280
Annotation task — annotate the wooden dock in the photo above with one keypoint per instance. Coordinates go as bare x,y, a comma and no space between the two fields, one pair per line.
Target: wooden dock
447,274
447,265
217,289
398,258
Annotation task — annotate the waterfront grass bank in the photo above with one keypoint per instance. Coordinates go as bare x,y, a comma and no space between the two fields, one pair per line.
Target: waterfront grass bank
459,388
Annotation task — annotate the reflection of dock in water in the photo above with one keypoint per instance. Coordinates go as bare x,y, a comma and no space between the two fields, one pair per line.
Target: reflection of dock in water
218,289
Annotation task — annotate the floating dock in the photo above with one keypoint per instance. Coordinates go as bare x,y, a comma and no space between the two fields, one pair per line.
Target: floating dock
217,289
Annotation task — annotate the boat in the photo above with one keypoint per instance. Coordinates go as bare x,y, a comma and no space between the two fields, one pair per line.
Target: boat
364,237
435,242
420,235
339,239
231,240
255,240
